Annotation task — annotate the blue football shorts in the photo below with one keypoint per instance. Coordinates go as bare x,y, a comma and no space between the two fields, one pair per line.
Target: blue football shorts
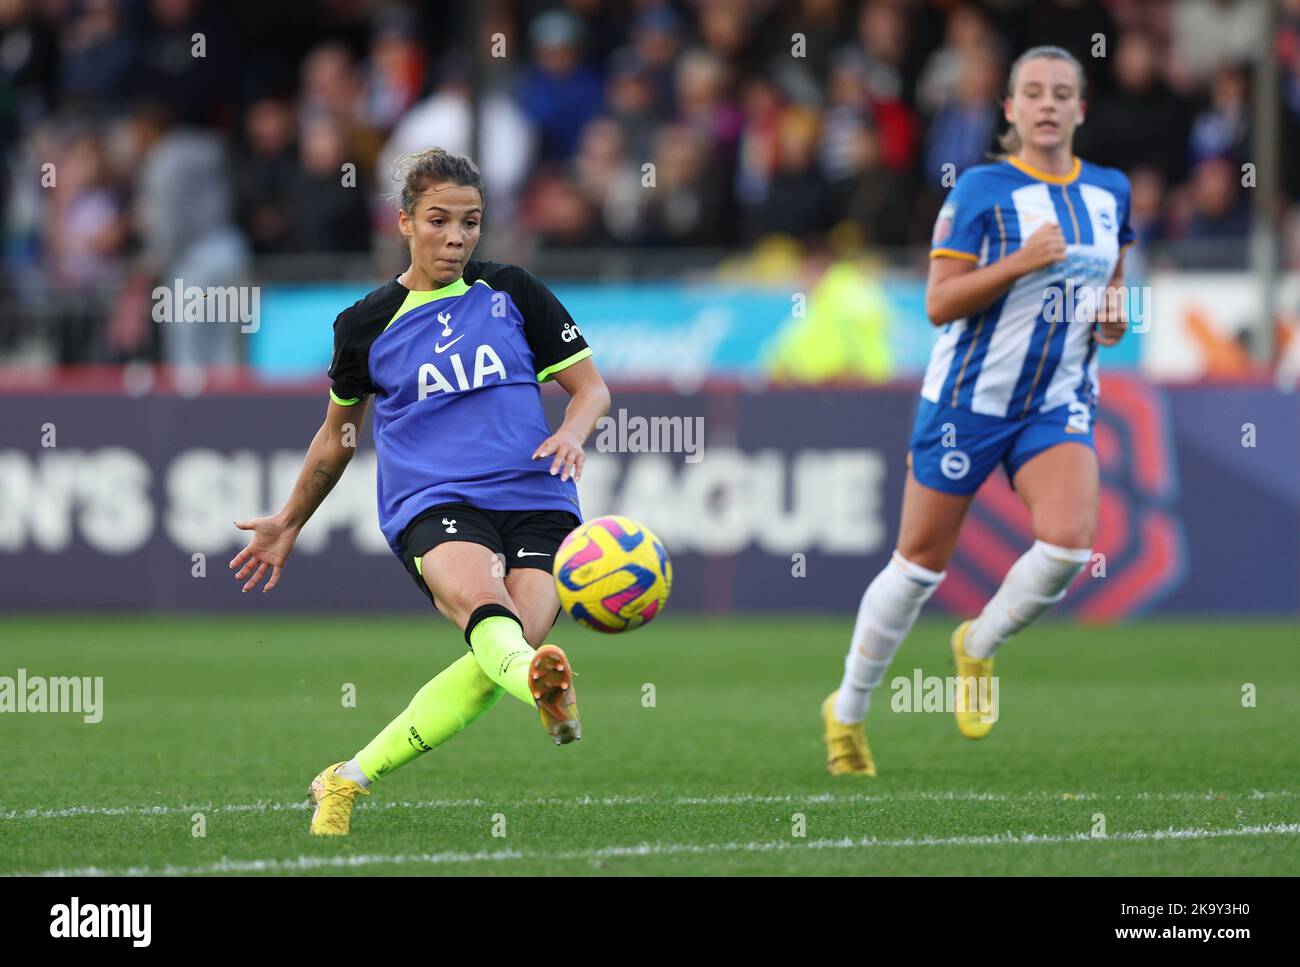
954,450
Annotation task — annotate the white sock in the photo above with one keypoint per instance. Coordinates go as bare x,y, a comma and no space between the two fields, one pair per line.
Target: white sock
351,770
1035,582
888,610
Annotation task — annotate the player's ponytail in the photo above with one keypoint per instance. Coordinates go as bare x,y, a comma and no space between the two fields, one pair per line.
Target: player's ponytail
414,172
1009,140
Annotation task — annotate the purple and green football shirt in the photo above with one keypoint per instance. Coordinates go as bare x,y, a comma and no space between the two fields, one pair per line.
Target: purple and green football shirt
456,374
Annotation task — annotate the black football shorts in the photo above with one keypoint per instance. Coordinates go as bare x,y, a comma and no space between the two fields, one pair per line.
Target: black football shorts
524,538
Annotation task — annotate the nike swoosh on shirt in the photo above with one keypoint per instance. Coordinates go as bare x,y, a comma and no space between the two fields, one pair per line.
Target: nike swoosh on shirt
523,553
438,347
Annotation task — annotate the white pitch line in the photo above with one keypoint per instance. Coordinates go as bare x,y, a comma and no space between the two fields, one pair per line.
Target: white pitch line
307,863
738,799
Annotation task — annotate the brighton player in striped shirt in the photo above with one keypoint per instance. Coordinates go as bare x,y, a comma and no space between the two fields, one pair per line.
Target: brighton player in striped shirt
475,492
1026,276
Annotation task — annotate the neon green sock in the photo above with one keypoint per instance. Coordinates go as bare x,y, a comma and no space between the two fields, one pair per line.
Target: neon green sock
504,655
455,698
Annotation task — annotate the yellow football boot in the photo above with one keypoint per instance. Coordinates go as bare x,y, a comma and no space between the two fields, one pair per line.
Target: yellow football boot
333,796
847,753
550,677
975,721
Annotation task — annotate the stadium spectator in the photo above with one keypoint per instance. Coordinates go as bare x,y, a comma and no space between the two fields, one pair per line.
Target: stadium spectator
1209,34
685,203
631,101
883,40
1142,122
750,132
600,160
97,59
962,132
185,207
1222,129
188,75
875,201
967,35
393,73
847,115
1147,218
84,236
871,198
559,215
328,210
726,29
1217,212
265,175
876,78
28,71
797,202
705,103
506,139
331,84
558,92
1147,206
656,40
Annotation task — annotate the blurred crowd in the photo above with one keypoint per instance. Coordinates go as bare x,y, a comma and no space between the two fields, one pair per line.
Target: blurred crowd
147,140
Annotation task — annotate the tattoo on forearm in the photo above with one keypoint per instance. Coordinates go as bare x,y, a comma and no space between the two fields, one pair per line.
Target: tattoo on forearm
322,481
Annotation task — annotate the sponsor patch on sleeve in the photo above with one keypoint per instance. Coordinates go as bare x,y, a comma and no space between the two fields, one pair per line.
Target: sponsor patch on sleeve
943,224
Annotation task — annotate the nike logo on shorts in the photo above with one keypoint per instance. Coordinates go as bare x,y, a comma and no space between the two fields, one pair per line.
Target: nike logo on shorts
523,553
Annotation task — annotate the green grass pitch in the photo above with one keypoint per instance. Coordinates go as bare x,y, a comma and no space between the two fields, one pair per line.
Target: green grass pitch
1142,724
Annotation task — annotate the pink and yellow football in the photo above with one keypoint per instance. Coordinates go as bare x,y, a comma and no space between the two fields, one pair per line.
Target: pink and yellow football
613,574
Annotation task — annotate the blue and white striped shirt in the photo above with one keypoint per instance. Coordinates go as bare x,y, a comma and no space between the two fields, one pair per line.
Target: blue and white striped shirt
1032,348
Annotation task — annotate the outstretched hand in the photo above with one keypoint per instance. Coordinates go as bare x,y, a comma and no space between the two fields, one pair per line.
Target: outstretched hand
268,549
